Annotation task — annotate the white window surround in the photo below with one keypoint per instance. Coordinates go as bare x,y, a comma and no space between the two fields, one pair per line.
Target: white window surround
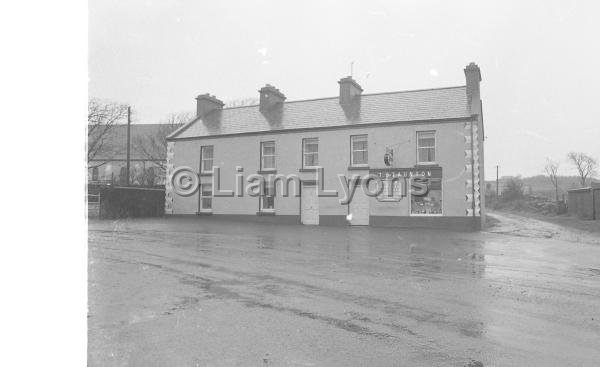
359,138
206,155
312,156
426,215
428,147
203,196
267,188
265,155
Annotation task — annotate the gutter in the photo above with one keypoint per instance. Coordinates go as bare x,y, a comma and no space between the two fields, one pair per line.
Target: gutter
172,137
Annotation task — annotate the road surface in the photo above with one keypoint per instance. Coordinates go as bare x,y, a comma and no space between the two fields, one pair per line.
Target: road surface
203,292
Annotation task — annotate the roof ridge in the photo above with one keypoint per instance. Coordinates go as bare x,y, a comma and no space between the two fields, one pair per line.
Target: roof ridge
363,95
415,90
124,124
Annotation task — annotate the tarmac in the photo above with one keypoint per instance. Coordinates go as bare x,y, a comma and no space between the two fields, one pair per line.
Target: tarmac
207,292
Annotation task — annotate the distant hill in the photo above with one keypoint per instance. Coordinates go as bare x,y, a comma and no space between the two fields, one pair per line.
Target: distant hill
542,182
541,185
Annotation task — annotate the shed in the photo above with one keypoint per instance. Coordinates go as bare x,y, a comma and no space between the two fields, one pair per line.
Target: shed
584,202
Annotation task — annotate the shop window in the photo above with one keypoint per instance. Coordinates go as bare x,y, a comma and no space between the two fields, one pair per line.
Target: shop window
267,155
206,197
206,155
426,147
391,189
430,203
267,198
310,152
359,149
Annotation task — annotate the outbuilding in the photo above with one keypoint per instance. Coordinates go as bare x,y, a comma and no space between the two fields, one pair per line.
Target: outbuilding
409,158
584,202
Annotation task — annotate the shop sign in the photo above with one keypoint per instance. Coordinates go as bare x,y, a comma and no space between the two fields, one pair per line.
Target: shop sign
396,181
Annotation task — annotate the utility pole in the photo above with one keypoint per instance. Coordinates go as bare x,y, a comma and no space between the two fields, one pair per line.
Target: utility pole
497,182
128,140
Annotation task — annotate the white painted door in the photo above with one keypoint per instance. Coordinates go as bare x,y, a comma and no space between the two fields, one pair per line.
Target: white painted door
309,211
359,208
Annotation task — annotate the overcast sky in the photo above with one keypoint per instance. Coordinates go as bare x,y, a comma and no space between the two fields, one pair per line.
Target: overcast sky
539,60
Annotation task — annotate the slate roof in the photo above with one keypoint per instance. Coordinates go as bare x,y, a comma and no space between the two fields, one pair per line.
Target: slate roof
115,145
416,105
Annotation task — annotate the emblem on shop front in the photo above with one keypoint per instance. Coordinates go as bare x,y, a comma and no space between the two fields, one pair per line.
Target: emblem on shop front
388,157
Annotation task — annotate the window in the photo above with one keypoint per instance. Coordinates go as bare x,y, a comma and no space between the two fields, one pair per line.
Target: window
392,189
310,152
430,203
206,197
267,198
426,147
359,152
206,155
123,176
267,155
95,174
150,176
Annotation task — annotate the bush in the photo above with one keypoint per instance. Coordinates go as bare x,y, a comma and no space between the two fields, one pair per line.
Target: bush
513,190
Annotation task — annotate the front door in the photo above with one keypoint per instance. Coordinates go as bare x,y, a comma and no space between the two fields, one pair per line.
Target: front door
359,207
309,205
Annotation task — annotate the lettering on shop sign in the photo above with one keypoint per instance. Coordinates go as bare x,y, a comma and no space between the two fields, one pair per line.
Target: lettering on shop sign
429,172
396,181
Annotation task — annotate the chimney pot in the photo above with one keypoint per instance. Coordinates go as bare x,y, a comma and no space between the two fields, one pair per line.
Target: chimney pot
349,89
270,97
205,104
473,79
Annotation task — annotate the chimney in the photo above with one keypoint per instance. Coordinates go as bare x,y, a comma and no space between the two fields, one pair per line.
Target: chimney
205,104
270,97
349,89
473,78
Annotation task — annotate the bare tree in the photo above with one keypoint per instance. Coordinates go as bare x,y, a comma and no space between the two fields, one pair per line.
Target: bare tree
585,164
240,102
552,171
154,146
102,117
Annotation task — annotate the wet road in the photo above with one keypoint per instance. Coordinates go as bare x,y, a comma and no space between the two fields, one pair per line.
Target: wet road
190,292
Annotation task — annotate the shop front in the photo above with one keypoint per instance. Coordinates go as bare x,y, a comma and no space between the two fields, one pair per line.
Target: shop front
422,187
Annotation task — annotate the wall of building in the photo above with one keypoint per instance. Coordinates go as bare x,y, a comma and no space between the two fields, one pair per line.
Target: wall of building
596,199
334,156
584,203
482,186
